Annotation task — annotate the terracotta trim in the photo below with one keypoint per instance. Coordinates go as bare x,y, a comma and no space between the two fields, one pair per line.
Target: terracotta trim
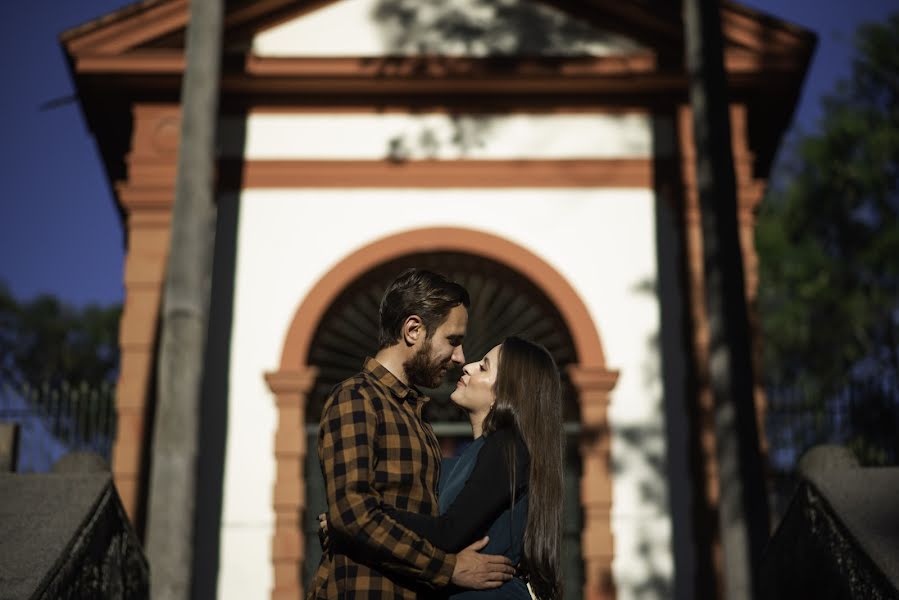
144,272
438,105
749,192
590,376
146,200
290,388
147,209
707,484
410,106
136,62
628,173
132,29
152,14
289,382
594,386
625,88
637,63
627,72
158,177
761,33
743,62
560,293
444,66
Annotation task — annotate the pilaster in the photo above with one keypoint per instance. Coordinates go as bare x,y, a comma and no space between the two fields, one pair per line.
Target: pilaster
147,201
290,389
593,385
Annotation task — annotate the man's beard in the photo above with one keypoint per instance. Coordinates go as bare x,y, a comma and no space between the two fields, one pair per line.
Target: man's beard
421,370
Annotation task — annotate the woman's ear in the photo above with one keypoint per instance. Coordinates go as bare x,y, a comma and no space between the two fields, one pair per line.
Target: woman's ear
413,330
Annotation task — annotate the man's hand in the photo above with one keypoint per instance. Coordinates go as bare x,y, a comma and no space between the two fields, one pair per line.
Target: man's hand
478,571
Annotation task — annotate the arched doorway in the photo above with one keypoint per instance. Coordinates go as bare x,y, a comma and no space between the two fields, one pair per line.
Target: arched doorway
502,303
512,291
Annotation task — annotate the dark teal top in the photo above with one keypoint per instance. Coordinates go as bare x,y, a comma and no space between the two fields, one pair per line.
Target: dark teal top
475,500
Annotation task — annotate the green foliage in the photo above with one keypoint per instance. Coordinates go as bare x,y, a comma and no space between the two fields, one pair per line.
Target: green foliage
829,241
46,342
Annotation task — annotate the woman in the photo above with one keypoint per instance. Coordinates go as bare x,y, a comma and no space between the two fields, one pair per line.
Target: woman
508,483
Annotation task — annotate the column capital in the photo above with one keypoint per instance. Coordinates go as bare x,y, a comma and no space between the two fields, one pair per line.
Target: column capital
291,381
592,378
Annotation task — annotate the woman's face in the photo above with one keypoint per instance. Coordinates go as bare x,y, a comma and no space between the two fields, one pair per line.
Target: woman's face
474,390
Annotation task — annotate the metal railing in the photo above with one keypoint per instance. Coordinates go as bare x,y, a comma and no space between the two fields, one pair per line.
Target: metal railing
56,419
864,417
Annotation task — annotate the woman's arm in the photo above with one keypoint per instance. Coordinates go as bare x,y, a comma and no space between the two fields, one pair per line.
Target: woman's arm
484,497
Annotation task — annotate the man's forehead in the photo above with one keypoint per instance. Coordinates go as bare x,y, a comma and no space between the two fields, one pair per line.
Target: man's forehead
456,321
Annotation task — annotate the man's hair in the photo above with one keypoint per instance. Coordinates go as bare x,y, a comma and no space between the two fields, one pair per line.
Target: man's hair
429,295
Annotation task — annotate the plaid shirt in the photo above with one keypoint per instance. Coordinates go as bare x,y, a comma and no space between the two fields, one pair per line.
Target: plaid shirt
374,449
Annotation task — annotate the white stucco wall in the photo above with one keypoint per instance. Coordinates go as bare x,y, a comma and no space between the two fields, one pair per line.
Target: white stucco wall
600,241
438,136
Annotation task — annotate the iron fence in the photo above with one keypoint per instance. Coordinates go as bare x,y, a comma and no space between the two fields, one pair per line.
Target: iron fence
56,419
864,417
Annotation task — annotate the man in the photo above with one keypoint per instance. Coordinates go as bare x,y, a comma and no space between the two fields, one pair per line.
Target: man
375,449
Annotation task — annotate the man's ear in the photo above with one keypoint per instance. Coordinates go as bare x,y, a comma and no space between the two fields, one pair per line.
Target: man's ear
413,330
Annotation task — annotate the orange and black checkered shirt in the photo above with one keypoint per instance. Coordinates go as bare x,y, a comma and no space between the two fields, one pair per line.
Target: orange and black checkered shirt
375,449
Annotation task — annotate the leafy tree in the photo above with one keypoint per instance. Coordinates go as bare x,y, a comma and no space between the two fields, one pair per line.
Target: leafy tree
828,240
45,341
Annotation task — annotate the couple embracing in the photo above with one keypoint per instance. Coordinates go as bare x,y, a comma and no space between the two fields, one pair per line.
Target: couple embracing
494,530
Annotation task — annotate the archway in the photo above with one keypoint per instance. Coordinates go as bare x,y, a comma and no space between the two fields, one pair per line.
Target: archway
590,382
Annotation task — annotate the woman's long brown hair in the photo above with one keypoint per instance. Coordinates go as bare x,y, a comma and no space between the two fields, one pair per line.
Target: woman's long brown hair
529,398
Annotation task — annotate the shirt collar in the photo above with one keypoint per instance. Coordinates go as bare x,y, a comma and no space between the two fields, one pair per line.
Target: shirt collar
399,389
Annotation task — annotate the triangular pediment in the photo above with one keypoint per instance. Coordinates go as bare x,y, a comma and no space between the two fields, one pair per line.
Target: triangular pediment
471,28
507,52
457,28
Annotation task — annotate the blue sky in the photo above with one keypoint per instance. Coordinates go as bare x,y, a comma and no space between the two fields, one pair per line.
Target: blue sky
59,229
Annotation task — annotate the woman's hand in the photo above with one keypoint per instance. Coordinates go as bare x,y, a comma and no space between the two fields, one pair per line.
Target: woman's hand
323,539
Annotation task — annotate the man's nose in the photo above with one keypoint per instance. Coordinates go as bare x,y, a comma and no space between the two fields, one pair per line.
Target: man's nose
458,355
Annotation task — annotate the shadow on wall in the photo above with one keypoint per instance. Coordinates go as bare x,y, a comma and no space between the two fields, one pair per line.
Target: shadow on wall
653,455
658,451
498,29
642,458
215,392
639,451
484,28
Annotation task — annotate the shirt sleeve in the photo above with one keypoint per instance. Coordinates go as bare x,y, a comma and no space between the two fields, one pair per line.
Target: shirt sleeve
347,453
486,494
